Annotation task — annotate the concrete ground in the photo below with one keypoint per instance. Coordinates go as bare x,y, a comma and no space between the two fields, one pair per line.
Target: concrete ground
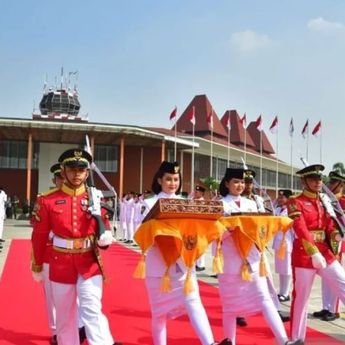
21,229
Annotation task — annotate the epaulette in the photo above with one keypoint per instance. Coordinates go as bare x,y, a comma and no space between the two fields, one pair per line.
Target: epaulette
48,192
295,195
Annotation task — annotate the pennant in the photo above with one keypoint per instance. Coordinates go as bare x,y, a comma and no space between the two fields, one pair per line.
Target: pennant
191,115
317,129
243,120
258,123
209,119
305,129
173,114
274,125
291,128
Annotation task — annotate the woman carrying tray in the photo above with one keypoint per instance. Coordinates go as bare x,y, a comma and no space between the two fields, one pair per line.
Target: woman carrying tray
242,289
173,302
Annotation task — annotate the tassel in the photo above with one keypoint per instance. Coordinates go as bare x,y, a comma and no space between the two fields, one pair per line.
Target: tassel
263,271
244,271
282,249
166,287
218,263
140,269
188,284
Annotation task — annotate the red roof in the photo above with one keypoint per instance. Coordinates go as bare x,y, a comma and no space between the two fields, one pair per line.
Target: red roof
203,108
255,135
237,131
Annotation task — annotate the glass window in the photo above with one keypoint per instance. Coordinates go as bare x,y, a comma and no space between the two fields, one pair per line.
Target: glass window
106,157
13,154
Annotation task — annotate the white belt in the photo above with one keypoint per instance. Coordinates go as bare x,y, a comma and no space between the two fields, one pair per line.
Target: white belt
77,243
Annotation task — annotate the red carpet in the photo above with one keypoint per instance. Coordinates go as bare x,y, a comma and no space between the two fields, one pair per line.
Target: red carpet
23,316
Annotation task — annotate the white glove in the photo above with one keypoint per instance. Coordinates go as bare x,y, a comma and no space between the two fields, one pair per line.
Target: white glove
318,261
338,238
106,239
37,276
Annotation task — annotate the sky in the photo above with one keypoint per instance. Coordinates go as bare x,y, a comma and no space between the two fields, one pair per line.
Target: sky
137,60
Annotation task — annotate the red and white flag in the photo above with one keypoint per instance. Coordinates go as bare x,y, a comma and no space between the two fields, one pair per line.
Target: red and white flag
173,114
317,129
274,125
291,128
191,115
305,129
243,120
228,124
258,123
209,119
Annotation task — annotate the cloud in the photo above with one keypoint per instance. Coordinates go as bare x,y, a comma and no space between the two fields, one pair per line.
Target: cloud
249,41
322,25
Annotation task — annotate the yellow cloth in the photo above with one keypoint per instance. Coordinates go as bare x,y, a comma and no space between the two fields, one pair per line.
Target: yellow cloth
188,238
258,230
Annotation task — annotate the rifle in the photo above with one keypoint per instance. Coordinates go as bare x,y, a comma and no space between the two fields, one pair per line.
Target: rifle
262,191
332,206
96,195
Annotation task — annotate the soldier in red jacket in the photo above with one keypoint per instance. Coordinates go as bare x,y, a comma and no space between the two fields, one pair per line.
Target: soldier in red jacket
75,268
311,253
330,305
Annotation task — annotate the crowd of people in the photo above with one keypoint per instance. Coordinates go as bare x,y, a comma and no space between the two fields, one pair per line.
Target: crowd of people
66,256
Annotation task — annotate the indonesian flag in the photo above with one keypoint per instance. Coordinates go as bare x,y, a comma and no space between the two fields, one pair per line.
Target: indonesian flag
243,120
228,124
305,129
258,123
291,128
209,120
173,114
191,115
274,125
317,129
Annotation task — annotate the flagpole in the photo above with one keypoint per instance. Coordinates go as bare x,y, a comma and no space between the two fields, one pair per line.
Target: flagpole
229,142
245,141
320,146
291,187
211,158
307,143
175,144
261,160
277,163
192,177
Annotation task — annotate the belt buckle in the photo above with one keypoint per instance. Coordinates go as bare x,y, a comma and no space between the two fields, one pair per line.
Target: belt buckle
78,243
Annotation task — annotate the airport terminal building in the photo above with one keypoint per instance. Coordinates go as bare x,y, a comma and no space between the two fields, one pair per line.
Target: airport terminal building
129,155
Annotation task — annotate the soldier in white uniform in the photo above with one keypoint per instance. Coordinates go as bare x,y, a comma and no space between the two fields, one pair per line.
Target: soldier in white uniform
129,217
283,265
238,296
166,305
3,199
122,218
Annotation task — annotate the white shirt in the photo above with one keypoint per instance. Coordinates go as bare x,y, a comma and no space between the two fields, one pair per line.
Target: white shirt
3,199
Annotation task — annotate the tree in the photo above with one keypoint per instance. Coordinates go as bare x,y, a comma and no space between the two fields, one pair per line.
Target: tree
211,183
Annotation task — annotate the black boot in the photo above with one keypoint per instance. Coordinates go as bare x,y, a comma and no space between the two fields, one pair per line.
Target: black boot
241,321
321,313
82,334
225,341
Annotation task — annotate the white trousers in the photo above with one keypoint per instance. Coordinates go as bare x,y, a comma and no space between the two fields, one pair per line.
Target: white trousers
89,293
333,275
198,318
329,298
49,299
2,219
129,230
